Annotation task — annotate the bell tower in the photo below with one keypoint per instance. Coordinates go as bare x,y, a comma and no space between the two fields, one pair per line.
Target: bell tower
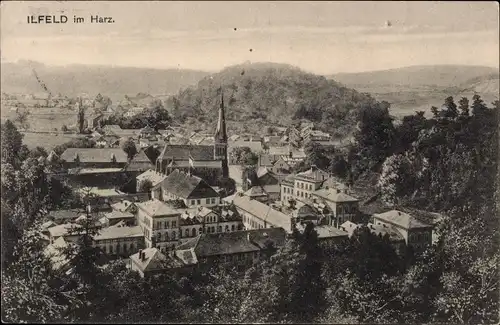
220,145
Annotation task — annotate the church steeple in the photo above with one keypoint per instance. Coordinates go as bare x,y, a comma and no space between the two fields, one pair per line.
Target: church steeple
220,132
220,145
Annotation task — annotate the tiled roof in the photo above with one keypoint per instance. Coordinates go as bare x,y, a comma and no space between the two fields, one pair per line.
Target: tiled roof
114,232
233,242
382,231
264,212
155,260
116,214
188,186
141,157
122,206
94,155
154,177
183,152
255,191
334,195
401,219
327,231
156,208
313,174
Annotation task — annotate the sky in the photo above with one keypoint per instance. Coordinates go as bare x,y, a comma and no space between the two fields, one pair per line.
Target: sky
320,37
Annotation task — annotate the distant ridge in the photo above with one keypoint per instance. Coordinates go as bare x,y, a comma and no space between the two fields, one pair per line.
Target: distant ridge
438,75
113,81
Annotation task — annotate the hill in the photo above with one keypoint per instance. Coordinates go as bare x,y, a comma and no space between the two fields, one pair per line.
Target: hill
419,88
115,82
261,93
435,75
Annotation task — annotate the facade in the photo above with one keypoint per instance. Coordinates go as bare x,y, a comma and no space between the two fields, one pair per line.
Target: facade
192,190
415,233
302,185
159,223
257,215
119,241
343,206
242,248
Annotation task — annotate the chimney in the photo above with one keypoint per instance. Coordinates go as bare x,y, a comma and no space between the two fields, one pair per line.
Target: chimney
140,254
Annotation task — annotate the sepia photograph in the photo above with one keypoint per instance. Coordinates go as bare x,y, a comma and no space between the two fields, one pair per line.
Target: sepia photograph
237,162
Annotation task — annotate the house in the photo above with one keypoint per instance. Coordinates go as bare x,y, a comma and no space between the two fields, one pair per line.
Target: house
94,158
264,186
150,261
110,129
150,181
255,146
416,234
55,253
160,224
349,227
119,241
116,216
257,215
204,220
241,248
303,184
64,216
192,190
68,231
140,163
328,236
274,163
124,206
107,141
343,206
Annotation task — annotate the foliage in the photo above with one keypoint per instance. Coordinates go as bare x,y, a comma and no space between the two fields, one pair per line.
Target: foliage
154,115
12,141
243,156
82,142
129,147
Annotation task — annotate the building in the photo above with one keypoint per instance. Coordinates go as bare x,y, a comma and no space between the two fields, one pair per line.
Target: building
343,206
159,223
107,141
116,216
119,241
328,236
206,161
276,164
263,185
192,190
150,261
140,163
151,181
202,220
303,184
257,215
415,233
94,158
241,248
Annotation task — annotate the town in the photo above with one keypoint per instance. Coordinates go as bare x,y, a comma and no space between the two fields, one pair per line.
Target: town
257,162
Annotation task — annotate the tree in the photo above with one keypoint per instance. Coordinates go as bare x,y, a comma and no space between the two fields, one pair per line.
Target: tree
145,186
12,141
129,147
64,128
21,119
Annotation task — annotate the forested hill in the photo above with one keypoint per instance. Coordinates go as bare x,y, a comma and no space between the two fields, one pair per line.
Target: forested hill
274,93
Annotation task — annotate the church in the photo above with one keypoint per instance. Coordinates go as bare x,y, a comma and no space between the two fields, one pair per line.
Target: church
208,162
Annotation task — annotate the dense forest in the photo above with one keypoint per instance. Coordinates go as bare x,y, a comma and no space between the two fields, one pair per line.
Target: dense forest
445,163
265,93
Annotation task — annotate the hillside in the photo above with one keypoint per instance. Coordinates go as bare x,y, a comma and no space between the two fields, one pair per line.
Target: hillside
436,75
419,88
260,93
115,82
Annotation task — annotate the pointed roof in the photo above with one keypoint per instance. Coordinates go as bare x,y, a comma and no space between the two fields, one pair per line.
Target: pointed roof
220,132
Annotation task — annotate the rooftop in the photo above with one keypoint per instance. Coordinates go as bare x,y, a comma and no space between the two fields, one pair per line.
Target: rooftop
151,175
155,260
188,186
184,152
156,208
401,219
326,231
334,195
264,212
116,214
114,232
94,155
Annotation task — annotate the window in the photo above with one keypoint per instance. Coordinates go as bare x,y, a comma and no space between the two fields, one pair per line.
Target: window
132,248
174,223
125,247
166,236
232,228
213,200
173,235
213,229
227,228
200,231
193,232
192,202
301,194
220,228
111,249
207,201
198,202
186,232
118,249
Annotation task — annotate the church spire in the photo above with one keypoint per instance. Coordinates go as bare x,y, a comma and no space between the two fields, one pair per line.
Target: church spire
220,132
